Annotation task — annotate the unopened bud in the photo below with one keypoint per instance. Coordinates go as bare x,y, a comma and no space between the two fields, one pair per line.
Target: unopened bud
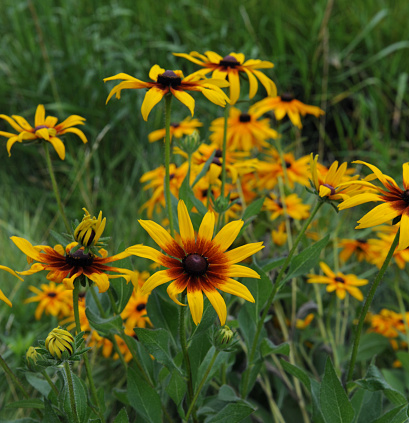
58,341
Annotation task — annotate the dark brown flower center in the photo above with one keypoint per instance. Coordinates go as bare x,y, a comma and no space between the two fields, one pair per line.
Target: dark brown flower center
140,307
216,161
229,62
175,124
333,192
169,79
287,165
171,176
405,196
40,127
362,241
195,264
79,259
287,97
219,153
245,117
279,204
339,279
51,294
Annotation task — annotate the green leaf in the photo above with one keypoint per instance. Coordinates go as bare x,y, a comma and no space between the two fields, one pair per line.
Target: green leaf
317,416
27,403
232,413
122,291
371,344
334,402
177,387
277,262
157,341
221,358
143,398
227,394
262,289
121,395
396,415
267,348
41,385
205,168
80,396
302,263
122,417
186,194
208,319
374,381
296,372
109,326
253,209
50,415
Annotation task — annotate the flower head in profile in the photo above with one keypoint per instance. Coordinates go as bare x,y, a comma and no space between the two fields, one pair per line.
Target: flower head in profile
45,129
330,184
292,206
11,271
89,231
395,202
245,131
53,299
65,266
173,82
177,129
360,247
231,67
339,282
287,105
198,264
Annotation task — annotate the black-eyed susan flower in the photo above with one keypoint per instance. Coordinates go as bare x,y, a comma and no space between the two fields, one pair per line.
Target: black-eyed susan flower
331,184
198,264
293,206
90,229
134,313
177,129
58,341
286,104
45,129
173,82
245,130
2,296
64,266
231,67
339,282
53,299
361,248
395,202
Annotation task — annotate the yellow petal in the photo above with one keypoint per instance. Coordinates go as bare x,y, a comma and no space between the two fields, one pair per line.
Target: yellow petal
228,234
237,271
152,98
187,232
231,286
195,300
146,252
241,253
218,304
78,132
101,280
155,71
174,289
155,280
5,299
26,248
184,98
11,271
39,116
59,147
234,86
325,268
404,231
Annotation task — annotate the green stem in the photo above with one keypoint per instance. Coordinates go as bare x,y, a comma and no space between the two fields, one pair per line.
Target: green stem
55,187
201,384
368,301
71,390
75,300
224,147
183,343
168,100
50,382
274,291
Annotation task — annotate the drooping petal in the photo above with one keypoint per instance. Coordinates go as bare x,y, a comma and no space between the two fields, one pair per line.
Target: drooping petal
184,98
195,300
217,301
231,286
26,248
59,147
69,282
76,131
234,86
101,280
152,98
404,231
11,271
5,299
176,287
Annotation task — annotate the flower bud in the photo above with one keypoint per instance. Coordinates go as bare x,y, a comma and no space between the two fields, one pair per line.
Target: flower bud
58,341
32,356
88,232
223,337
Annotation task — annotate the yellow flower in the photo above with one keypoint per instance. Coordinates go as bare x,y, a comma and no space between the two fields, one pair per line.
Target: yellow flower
199,264
331,184
170,82
245,131
293,204
395,202
2,296
54,300
90,229
339,282
360,247
45,128
58,341
231,67
134,313
64,266
177,129
304,323
287,105
279,235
